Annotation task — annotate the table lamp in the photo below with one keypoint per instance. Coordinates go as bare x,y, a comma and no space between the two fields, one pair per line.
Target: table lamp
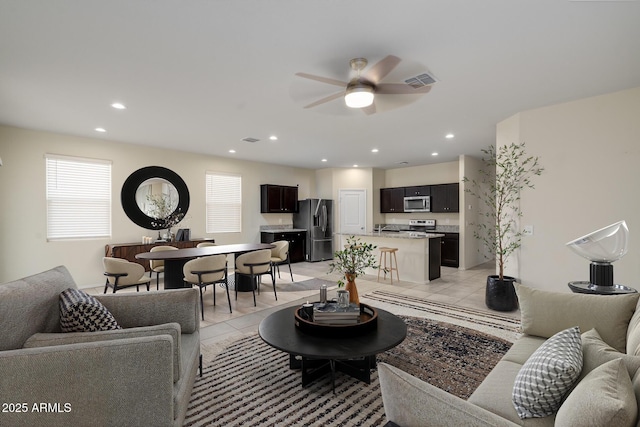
602,247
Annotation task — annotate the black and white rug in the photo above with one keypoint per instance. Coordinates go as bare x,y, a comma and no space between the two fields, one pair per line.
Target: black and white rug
249,383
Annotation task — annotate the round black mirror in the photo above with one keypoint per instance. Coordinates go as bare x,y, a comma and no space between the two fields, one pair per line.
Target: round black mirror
152,193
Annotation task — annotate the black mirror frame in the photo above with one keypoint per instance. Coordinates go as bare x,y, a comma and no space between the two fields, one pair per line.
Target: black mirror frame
130,186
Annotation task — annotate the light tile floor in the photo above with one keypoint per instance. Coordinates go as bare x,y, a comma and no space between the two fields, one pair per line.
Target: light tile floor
459,287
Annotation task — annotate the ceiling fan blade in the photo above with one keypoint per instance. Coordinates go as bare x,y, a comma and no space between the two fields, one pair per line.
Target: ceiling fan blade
322,79
400,89
371,109
326,99
380,69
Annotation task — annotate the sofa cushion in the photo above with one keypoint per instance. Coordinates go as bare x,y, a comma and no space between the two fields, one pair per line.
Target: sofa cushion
604,397
80,312
633,333
545,313
596,352
30,305
523,348
548,375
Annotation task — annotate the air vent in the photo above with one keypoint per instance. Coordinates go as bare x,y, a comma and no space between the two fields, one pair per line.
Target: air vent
420,81
250,139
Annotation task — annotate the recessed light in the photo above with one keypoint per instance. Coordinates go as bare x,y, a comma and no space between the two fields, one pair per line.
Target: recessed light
100,130
324,160
355,166
434,154
375,150
232,151
118,106
273,138
449,135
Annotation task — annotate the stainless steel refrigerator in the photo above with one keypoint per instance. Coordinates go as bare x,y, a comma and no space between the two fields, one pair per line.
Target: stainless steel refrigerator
316,216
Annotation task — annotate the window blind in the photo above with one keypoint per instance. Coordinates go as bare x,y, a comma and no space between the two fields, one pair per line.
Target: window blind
224,203
78,198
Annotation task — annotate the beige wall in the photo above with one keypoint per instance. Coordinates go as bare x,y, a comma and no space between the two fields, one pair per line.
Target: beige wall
590,149
24,249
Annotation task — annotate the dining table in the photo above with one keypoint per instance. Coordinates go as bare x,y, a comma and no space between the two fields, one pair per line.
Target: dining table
174,261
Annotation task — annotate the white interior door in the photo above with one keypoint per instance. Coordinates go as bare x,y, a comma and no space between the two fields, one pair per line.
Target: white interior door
353,212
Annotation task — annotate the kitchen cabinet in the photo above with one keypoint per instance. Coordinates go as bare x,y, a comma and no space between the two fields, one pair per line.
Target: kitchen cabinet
278,199
418,190
445,198
296,241
450,256
392,200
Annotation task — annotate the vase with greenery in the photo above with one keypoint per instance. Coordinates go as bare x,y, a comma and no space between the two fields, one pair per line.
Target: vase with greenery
352,261
162,211
508,171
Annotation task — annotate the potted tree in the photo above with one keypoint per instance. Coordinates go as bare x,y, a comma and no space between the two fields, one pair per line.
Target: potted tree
500,195
352,261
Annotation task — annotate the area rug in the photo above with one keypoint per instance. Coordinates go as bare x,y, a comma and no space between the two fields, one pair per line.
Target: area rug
250,383
490,322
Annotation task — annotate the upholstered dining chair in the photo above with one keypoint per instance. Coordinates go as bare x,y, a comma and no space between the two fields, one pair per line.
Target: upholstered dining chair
157,265
207,270
123,274
254,265
279,256
205,244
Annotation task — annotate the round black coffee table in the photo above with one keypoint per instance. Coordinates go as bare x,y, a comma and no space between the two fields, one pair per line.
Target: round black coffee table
317,356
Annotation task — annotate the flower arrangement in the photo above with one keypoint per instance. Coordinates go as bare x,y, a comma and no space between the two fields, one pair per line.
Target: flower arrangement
160,209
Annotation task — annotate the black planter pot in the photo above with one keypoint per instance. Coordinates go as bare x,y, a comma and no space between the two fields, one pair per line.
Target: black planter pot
501,294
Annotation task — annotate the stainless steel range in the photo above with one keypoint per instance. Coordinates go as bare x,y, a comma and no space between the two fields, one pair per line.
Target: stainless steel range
421,227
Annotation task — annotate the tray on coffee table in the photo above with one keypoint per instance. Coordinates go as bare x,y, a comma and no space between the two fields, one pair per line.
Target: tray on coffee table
368,320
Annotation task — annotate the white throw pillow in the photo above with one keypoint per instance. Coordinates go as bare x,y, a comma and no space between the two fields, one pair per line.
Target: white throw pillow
548,375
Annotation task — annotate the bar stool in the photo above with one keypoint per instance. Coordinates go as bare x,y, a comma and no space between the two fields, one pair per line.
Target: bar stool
391,254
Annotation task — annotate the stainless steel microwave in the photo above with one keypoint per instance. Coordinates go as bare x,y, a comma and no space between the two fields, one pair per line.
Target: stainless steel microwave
417,204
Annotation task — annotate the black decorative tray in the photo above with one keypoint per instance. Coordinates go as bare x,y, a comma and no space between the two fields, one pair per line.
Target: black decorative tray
367,321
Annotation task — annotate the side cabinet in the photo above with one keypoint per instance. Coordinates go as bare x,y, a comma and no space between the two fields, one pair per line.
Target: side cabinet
450,250
129,251
296,241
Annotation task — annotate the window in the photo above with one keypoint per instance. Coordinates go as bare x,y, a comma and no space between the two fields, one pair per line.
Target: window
224,203
78,198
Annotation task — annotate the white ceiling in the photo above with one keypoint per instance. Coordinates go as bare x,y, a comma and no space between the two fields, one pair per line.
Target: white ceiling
200,75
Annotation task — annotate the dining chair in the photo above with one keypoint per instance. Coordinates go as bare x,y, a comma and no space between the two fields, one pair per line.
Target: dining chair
205,244
280,256
207,270
157,265
254,265
123,274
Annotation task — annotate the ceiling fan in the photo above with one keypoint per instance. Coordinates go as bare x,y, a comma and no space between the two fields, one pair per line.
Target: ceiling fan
362,89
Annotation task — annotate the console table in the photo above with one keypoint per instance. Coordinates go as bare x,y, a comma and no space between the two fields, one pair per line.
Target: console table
129,251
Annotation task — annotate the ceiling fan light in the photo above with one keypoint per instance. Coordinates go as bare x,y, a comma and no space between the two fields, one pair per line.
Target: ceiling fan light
359,96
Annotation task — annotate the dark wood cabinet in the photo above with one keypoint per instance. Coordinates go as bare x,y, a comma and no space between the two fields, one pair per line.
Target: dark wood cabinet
392,200
278,199
129,251
450,255
418,190
445,198
296,241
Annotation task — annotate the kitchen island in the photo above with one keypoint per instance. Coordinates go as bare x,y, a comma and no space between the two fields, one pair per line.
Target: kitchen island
418,253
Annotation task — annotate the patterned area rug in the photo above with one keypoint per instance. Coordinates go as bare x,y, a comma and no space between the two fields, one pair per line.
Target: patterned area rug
250,383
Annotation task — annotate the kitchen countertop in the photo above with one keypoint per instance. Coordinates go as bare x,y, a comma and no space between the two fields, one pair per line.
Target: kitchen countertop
396,235
282,230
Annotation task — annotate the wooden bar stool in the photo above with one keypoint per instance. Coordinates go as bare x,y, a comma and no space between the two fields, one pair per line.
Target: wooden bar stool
393,263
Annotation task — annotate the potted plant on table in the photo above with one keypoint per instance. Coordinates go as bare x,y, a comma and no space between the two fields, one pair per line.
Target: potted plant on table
352,261
500,194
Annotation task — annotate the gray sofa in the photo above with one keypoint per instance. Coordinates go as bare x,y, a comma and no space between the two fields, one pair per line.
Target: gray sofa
141,375
610,341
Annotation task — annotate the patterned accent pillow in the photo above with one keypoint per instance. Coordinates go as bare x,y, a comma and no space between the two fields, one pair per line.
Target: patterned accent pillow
548,375
80,312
